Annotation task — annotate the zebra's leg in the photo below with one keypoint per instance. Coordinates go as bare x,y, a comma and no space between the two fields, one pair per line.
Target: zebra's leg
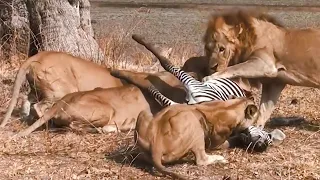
159,97
137,78
184,77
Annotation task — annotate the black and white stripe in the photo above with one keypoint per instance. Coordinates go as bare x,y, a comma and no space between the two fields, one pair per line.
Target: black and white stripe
159,97
255,137
216,89
260,135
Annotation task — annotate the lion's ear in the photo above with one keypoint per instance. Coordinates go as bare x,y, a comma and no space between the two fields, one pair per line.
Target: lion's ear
231,33
238,29
251,111
219,23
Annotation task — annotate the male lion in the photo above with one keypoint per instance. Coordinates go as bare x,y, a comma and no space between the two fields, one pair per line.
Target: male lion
179,128
244,45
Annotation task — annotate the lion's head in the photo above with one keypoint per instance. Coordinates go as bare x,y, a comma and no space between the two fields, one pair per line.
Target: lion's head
230,37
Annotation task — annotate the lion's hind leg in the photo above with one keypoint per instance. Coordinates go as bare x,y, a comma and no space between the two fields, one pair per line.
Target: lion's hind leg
93,120
53,112
42,106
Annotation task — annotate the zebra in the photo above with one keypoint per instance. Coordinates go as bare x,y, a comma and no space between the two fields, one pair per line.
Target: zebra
198,92
216,89
252,137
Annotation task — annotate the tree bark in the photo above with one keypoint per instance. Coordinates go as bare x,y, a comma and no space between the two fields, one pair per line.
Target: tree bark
63,25
14,30
55,25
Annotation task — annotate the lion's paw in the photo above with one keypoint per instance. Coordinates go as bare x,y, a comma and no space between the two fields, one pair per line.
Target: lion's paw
212,159
207,78
109,129
216,159
212,77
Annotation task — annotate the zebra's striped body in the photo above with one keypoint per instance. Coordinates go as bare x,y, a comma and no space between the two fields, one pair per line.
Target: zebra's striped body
197,92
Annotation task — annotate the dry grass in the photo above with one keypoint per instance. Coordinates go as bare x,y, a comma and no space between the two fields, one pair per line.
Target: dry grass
69,155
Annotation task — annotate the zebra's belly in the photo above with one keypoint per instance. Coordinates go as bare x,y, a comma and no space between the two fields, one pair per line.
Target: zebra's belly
199,101
204,94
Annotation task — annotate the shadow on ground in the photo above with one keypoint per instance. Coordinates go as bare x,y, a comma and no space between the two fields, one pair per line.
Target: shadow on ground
299,122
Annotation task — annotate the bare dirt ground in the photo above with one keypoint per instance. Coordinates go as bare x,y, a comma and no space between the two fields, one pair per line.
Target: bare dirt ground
70,155
184,21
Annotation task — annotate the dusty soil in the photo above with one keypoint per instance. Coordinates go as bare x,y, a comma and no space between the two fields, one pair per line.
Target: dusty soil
69,155
182,22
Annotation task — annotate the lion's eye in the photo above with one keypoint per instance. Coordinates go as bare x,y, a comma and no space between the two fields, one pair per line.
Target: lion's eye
221,49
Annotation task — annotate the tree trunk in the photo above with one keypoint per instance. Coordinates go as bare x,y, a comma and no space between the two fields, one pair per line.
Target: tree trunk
14,29
63,25
56,25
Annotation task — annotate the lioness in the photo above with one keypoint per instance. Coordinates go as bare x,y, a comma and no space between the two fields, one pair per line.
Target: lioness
105,107
112,108
52,75
180,128
255,46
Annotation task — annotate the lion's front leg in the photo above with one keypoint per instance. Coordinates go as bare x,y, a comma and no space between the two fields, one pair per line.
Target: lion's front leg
269,98
145,117
258,65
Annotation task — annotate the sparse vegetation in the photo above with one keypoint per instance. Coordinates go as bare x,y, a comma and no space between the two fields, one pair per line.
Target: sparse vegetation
69,155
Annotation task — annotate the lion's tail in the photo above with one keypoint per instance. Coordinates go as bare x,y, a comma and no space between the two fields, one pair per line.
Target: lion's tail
20,78
156,157
138,79
286,121
45,118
